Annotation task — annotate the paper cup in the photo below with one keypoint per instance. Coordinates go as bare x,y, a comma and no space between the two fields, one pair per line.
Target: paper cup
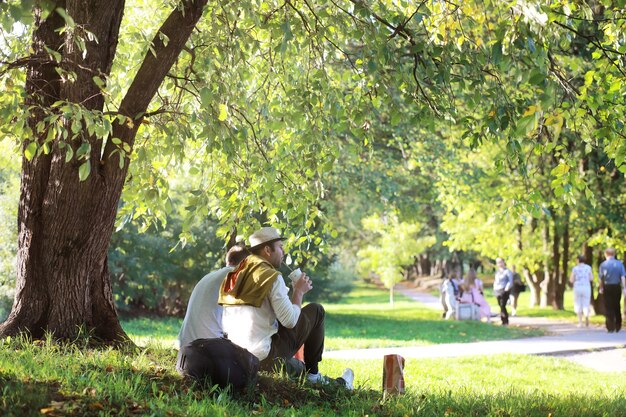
295,275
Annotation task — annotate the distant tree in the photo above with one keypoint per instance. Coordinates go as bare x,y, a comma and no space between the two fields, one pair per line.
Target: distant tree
394,244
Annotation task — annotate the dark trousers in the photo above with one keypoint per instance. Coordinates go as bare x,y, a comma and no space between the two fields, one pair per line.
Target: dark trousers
613,314
502,300
309,331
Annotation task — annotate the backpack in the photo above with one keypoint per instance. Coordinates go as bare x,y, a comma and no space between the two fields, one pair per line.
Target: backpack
219,361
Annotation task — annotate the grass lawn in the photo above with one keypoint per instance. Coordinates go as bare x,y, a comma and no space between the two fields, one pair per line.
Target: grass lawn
44,378
48,379
364,319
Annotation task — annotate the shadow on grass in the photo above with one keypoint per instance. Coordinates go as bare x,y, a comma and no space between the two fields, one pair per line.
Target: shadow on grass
27,398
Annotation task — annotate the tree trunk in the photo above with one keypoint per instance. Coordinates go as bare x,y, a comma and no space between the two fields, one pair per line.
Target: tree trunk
563,277
532,282
598,301
425,265
534,285
64,224
556,292
547,283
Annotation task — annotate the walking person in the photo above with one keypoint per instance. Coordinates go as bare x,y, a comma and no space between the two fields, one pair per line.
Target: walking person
581,279
518,287
502,285
612,284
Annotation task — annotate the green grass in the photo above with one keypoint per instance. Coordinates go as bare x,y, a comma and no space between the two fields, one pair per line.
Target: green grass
364,319
48,379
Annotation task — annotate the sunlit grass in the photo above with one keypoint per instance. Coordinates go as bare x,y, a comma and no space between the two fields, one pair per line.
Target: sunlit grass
366,319
363,319
45,378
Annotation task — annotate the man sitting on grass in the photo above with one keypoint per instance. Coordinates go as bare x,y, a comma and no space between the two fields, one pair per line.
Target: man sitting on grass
260,317
203,319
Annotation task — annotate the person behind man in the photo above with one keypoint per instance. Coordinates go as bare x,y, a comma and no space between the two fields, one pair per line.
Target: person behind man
612,282
203,319
581,279
260,316
518,287
502,284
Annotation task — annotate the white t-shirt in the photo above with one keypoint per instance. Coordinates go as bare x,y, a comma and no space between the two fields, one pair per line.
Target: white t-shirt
253,327
203,319
582,276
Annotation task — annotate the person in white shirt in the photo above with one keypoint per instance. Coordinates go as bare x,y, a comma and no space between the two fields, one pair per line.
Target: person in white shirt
260,316
449,294
581,279
203,319
502,284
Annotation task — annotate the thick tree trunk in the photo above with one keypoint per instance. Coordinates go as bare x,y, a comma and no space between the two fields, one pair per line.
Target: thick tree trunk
64,225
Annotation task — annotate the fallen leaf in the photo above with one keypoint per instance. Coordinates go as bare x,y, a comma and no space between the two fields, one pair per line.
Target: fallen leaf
96,406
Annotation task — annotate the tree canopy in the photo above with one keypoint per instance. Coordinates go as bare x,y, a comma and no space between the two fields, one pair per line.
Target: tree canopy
275,112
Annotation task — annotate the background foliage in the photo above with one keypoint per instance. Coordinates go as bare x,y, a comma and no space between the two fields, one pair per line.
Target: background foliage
494,126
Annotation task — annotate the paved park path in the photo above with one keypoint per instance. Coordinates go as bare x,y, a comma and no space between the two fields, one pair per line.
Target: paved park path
591,346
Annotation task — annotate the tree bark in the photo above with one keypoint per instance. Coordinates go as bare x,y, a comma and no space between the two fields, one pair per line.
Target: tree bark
425,264
562,276
64,224
534,285
547,283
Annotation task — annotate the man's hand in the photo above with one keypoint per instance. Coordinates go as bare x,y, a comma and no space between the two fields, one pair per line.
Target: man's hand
304,284
301,287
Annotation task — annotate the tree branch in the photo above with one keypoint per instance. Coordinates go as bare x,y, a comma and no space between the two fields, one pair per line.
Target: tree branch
176,29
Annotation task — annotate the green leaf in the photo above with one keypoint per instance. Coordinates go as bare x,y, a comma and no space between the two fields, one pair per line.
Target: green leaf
84,150
69,153
84,170
30,150
223,112
68,19
537,77
525,125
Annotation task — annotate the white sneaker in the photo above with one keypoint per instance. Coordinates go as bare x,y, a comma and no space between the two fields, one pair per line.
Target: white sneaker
348,376
317,379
